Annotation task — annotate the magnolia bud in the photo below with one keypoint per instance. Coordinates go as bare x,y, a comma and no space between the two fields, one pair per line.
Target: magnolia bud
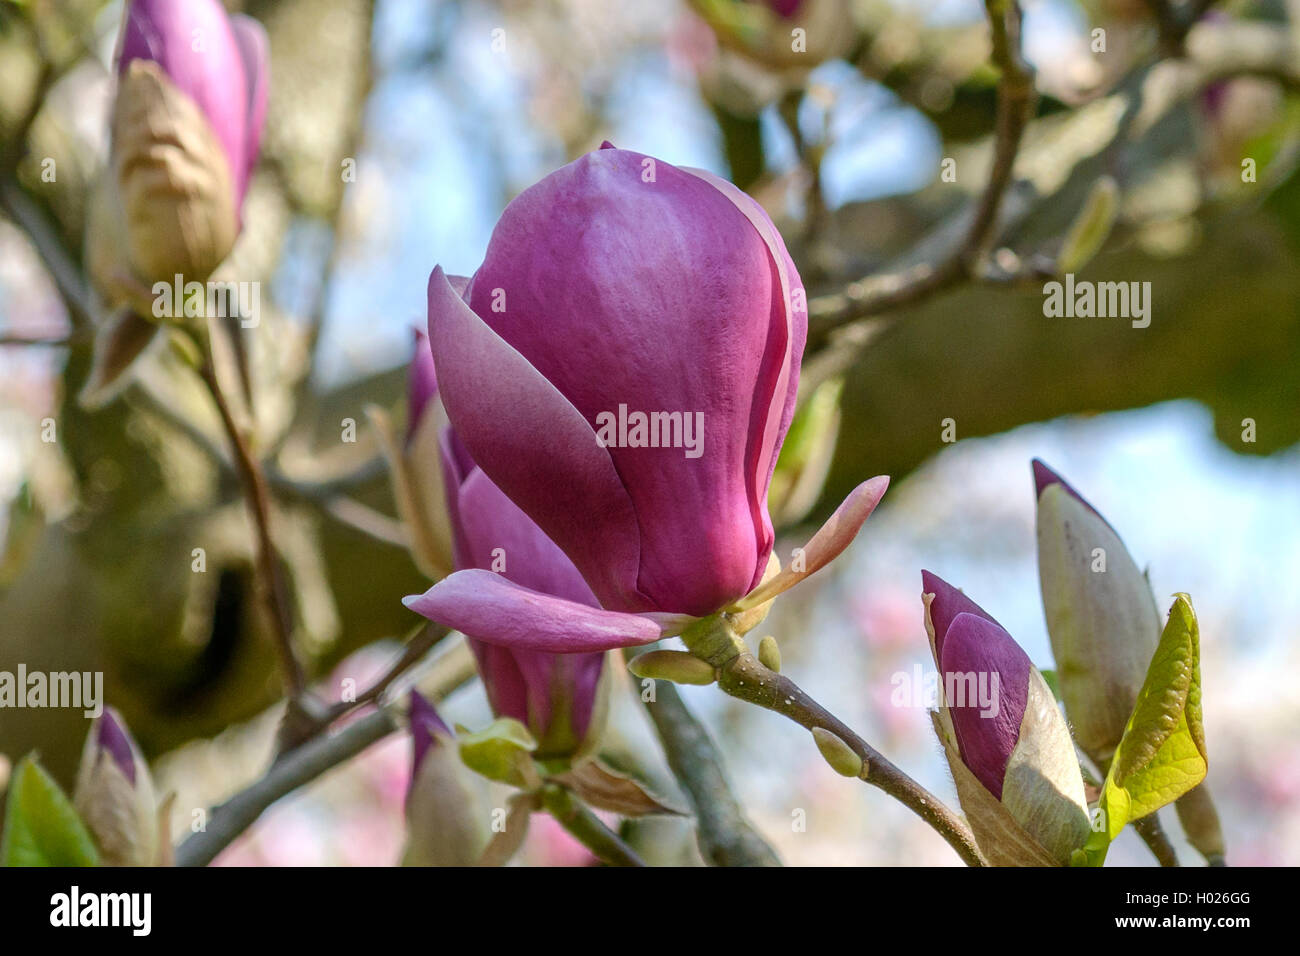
837,753
680,667
443,828
175,184
1101,617
115,796
1010,751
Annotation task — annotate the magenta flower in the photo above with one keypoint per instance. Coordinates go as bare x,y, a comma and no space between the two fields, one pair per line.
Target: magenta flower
624,367
556,696
219,61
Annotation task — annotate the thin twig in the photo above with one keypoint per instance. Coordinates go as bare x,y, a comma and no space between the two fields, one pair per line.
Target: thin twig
745,678
1154,836
304,764
270,573
877,294
725,836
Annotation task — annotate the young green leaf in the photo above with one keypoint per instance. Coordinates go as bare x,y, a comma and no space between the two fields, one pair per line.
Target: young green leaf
1162,754
41,826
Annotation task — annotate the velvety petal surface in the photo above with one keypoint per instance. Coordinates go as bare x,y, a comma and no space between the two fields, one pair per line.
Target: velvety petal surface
517,425
499,611
194,43
986,736
628,282
947,604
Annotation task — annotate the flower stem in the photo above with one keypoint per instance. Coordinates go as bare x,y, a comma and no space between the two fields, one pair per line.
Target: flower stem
270,575
741,675
587,828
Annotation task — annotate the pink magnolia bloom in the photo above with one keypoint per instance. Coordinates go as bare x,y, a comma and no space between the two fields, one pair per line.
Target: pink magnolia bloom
621,286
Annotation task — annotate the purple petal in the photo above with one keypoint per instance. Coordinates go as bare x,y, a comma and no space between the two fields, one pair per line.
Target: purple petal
428,730
657,296
828,543
947,604
516,424
488,607
111,737
975,645
255,51
168,32
422,382
533,686
1045,477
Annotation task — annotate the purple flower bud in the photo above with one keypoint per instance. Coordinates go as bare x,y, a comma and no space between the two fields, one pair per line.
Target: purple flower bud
990,674
428,730
219,61
557,696
422,383
626,305
111,738
1008,746
114,796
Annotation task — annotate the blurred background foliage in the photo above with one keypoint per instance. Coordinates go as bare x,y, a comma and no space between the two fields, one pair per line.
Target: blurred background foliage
844,144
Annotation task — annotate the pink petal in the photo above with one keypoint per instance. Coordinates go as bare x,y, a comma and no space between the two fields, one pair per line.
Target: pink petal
827,544
486,606
515,423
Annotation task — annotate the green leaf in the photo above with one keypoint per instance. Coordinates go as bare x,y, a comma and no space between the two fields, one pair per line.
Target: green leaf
499,751
41,827
1162,753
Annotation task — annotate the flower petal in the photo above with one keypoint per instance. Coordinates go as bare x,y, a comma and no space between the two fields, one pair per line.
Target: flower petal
826,545
536,445
486,606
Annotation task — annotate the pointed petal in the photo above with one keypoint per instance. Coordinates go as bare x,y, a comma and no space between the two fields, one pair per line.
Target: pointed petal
826,545
255,51
542,453
486,606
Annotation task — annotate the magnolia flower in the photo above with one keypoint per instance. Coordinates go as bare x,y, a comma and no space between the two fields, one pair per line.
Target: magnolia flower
115,797
1101,616
443,828
559,697
623,366
1007,744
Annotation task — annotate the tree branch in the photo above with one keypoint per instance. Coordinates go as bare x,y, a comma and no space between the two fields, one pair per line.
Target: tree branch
303,765
877,294
725,836
271,585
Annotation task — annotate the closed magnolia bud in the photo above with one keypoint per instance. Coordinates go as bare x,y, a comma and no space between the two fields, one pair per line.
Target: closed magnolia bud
115,796
624,366
1201,824
1101,616
680,667
838,754
1009,748
443,827
186,128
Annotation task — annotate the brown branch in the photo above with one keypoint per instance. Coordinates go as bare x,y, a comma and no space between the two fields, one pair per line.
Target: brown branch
725,836
878,294
304,764
271,585
745,678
